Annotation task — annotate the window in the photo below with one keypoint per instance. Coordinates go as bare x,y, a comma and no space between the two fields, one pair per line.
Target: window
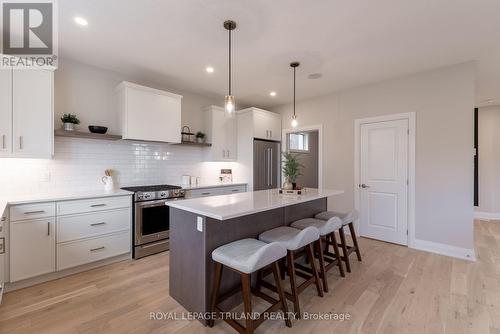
298,142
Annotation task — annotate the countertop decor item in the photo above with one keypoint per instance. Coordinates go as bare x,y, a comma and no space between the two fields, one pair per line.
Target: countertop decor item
186,134
107,180
291,168
69,122
200,137
98,129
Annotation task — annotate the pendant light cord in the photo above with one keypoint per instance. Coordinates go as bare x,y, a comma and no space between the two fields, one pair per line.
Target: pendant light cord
294,91
229,61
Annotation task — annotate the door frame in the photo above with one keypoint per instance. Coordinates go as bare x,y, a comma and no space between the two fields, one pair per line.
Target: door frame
319,128
411,117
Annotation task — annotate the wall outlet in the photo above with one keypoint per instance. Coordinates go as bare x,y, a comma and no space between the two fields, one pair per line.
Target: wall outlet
199,224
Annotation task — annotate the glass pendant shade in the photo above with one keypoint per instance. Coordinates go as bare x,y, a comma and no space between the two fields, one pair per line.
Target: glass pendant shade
229,105
294,121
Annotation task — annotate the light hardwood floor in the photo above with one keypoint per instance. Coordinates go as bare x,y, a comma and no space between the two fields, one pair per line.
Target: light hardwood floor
394,290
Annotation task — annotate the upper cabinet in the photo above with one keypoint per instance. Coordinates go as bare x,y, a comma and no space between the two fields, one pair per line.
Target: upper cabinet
266,125
221,133
149,114
26,113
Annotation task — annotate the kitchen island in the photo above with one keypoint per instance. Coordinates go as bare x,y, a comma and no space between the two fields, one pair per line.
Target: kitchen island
198,226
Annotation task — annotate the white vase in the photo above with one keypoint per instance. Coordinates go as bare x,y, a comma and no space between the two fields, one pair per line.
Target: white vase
287,185
109,184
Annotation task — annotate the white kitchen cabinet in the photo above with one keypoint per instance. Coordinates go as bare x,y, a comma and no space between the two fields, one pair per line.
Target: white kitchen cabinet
149,114
5,112
221,133
266,125
32,248
26,113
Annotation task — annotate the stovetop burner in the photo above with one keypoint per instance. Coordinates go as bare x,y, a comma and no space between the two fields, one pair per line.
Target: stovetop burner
151,188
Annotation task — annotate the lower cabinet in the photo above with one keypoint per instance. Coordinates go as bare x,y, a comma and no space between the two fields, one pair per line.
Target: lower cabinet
32,248
215,191
91,232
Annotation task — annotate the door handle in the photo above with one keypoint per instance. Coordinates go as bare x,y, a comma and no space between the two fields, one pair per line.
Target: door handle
96,249
98,224
48,229
364,186
3,142
97,205
20,142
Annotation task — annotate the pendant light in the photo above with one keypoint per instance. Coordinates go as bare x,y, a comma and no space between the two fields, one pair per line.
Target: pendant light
294,65
229,103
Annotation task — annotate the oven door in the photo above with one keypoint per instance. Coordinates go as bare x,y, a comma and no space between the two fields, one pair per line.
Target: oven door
152,221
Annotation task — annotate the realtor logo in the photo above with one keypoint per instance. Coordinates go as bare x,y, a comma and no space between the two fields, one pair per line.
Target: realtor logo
28,34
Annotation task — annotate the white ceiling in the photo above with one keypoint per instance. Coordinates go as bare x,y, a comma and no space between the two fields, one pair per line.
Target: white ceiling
350,42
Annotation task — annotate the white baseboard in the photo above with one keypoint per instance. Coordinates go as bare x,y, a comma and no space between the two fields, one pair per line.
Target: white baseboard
486,215
443,249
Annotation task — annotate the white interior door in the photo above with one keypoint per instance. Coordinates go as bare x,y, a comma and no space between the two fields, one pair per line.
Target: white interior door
384,181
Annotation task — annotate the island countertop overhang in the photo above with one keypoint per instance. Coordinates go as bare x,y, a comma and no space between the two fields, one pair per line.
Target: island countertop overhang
225,207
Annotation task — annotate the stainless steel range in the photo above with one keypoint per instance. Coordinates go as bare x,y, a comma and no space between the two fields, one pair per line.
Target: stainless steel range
152,218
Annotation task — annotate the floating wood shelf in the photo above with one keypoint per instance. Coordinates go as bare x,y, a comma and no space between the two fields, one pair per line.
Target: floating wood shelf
191,143
87,135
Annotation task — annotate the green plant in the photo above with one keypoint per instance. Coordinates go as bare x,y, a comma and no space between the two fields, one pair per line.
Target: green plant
70,118
200,134
291,166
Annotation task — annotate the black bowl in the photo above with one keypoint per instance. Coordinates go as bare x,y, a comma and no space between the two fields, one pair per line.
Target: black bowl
98,129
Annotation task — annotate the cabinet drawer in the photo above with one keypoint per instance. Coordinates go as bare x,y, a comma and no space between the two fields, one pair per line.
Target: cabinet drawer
76,253
32,211
234,190
206,192
92,224
92,205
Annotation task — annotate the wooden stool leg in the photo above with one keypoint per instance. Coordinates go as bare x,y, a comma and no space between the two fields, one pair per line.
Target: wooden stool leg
337,253
344,249
247,302
215,291
282,266
281,293
310,255
293,283
319,247
355,240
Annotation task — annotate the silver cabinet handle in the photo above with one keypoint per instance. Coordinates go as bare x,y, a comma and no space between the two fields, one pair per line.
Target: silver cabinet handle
34,212
271,133
97,205
4,146
228,154
205,194
235,190
96,249
364,186
98,224
20,142
48,228
223,153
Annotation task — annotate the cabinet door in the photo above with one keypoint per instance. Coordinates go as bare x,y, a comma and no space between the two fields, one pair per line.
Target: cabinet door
274,127
230,139
33,123
5,112
218,135
32,248
152,116
260,125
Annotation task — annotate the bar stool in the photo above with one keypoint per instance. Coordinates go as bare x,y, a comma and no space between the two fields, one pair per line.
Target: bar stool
347,220
293,240
245,257
326,230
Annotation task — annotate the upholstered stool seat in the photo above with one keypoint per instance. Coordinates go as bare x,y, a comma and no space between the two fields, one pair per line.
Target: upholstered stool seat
324,226
294,240
248,255
348,219
289,237
245,257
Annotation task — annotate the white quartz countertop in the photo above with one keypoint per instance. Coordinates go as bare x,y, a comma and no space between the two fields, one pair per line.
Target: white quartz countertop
58,196
209,185
236,205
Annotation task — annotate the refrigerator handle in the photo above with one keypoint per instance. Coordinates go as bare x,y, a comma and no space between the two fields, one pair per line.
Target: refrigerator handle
267,167
271,167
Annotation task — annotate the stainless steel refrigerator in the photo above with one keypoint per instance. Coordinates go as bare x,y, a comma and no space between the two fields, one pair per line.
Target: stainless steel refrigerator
266,164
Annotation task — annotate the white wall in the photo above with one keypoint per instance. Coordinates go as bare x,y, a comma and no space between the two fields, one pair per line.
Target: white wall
489,161
443,100
88,92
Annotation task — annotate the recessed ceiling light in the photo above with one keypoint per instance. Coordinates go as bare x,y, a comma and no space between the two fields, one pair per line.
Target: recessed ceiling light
315,76
209,69
272,93
81,21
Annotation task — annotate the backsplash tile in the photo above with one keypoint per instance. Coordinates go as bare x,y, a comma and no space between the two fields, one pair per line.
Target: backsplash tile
79,165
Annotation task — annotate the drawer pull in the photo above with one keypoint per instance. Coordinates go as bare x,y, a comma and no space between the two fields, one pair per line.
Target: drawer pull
34,212
235,190
205,193
98,224
97,205
96,249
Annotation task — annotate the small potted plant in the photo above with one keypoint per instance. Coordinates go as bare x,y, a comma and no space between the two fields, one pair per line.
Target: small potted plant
200,137
69,122
291,170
